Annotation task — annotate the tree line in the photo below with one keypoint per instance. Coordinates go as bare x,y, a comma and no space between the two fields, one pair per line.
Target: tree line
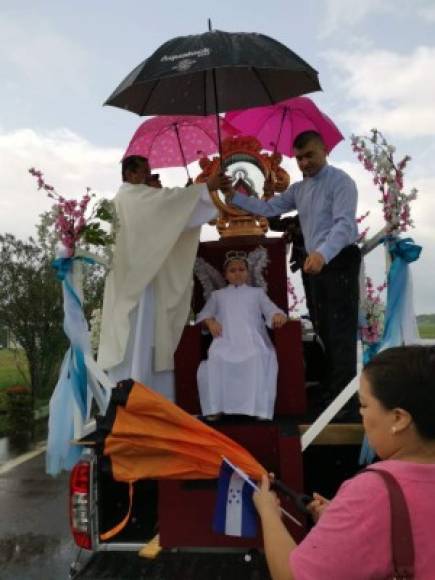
31,303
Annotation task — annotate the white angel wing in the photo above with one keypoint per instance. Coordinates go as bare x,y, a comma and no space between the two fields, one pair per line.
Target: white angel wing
257,261
209,278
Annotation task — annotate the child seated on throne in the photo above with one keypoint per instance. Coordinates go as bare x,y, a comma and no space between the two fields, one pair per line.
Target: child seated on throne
240,374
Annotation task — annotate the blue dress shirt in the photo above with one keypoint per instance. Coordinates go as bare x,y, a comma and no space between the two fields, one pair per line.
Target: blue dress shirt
326,204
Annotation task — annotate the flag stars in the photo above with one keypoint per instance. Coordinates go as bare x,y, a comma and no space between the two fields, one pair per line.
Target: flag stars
234,494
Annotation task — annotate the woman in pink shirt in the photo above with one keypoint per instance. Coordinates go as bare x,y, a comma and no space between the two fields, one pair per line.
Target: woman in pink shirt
352,538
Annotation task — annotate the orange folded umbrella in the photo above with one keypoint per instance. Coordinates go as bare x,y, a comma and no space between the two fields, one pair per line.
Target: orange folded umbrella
154,438
147,436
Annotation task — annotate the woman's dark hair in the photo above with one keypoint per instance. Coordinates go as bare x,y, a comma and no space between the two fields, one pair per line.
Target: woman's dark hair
131,163
405,377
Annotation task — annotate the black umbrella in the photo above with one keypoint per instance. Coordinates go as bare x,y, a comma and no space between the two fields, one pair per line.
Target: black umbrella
214,72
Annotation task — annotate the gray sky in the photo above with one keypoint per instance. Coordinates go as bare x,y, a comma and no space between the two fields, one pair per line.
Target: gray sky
60,60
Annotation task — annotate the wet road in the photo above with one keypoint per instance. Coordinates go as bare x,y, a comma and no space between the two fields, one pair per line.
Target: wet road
35,542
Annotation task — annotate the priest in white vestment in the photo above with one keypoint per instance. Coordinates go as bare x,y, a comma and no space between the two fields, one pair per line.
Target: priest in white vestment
148,290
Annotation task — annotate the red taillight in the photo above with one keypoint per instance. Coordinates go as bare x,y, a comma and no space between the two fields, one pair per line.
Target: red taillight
79,504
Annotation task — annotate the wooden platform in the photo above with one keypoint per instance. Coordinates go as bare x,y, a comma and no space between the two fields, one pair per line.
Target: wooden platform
338,434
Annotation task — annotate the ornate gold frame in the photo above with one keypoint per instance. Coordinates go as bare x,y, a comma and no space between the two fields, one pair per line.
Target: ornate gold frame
233,221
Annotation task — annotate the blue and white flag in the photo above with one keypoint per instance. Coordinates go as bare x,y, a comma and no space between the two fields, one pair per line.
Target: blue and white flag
235,513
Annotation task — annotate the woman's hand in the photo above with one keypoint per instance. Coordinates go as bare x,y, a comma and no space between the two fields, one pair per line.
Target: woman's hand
214,327
278,320
266,501
278,543
317,506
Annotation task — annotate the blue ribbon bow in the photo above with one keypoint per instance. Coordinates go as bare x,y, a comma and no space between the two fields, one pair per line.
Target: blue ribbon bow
403,252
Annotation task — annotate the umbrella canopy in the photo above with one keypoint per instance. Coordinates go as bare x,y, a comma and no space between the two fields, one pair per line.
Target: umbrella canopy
277,126
175,140
215,71
147,436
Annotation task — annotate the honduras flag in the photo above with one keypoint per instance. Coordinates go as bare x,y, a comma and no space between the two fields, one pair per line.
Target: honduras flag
235,513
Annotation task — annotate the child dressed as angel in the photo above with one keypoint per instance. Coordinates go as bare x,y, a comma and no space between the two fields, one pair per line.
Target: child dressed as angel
240,374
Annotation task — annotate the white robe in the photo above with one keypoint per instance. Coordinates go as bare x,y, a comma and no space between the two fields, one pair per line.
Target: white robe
240,374
157,306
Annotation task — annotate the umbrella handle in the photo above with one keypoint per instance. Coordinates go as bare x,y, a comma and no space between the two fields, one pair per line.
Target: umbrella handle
216,109
181,150
300,499
284,112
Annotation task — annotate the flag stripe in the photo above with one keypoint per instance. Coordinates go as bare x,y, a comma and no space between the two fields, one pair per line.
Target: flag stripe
220,509
249,514
235,513
233,522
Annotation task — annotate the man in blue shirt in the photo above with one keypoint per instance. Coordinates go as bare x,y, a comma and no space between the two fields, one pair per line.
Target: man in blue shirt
326,201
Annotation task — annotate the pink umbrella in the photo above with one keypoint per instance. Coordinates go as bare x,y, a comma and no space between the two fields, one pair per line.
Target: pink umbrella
277,126
176,141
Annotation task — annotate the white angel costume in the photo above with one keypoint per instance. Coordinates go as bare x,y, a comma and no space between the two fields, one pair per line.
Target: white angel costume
148,290
240,374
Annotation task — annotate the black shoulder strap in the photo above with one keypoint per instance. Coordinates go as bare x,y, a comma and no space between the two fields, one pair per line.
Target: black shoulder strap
402,543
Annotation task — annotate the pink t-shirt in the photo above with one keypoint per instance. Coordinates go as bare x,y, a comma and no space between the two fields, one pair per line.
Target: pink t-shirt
352,540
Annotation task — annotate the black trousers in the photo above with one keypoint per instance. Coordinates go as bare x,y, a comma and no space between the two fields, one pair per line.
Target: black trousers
332,300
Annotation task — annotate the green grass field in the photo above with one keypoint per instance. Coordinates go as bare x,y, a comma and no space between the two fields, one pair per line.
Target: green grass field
427,330
9,374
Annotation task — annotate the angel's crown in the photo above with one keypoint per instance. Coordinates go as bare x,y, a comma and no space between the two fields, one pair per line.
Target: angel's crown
235,255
